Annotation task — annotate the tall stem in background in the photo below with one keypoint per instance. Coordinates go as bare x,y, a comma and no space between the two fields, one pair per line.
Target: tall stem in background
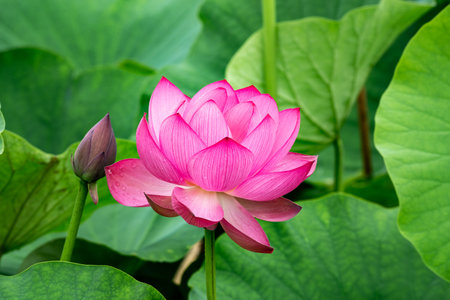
75,221
364,132
210,265
269,30
338,164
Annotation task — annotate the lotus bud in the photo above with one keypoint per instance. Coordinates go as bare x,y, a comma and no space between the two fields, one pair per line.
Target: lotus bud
96,151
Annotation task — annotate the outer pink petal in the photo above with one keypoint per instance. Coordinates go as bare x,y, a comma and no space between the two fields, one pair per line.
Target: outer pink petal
162,205
285,136
221,166
238,119
247,93
165,101
260,142
208,122
197,207
241,227
265,105
295,160
179,142
278,210
282,180
129,179
152,157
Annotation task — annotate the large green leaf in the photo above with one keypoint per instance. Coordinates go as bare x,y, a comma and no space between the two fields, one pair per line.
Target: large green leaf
49,105
376,84
338,247
157,274
413,135
62,280
322,64
102,32
35,191
226,26
141,232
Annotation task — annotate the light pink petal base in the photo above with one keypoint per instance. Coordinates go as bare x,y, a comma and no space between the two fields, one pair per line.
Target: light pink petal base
197,207
277,210
129,179
241,227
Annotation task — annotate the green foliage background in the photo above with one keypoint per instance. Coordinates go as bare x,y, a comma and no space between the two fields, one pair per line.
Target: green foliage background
65,64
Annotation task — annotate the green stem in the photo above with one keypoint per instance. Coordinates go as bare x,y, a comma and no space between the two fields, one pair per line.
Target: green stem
75,221
338,164
269,30
210,265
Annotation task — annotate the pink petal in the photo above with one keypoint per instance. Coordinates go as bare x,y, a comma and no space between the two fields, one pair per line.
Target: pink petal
278,210
179,142
165,101
221,166
265,105
247,93
197,207
295,160
241,227
260,142
220,92
284,178
129,179
162,205
286,135
155,161
208,122
238,119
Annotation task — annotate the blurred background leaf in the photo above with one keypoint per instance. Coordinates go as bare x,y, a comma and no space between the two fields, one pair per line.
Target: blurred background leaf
2,128
140,232
338,247
226,26
50,106
103,32
413,135
322,64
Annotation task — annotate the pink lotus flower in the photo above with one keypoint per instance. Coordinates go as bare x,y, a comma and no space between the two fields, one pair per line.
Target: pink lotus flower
220,157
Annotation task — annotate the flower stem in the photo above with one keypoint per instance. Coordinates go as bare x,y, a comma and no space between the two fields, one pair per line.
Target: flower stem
364,132
210,265
269,31
75,221
338,164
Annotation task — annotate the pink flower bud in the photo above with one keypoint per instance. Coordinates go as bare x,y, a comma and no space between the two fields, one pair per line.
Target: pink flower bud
96,151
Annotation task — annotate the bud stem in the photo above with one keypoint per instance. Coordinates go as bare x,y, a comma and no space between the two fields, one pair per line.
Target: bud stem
75,221
210,265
